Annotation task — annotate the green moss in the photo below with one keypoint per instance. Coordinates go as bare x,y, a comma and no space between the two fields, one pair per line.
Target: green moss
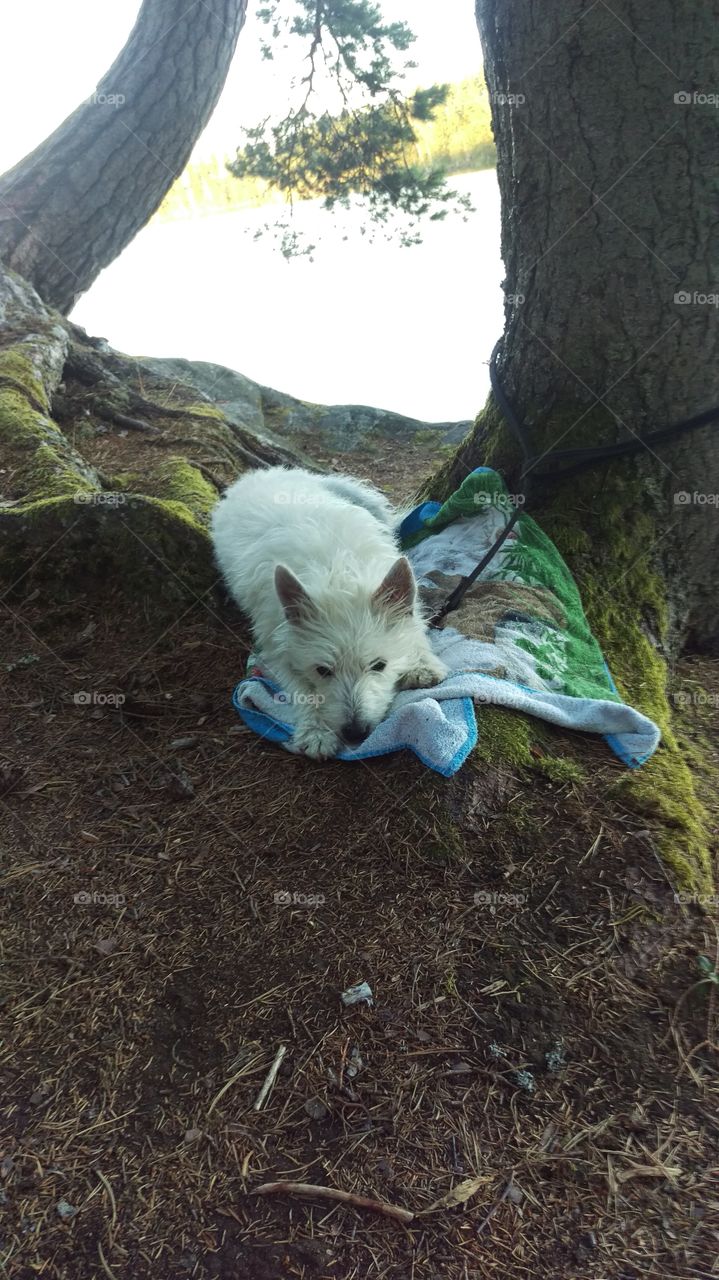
504,737
20,424
144,545
626,605
16,366
68,526
178,483
202,410
53,476
560,768
44,464
512,738
128,481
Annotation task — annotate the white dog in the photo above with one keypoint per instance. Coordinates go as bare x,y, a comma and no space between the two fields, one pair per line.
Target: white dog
314,562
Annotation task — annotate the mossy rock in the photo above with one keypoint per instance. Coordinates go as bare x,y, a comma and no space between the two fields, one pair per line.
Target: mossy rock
142,546
66,521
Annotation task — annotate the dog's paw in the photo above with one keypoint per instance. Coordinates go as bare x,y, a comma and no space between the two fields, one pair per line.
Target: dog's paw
427,672
316,742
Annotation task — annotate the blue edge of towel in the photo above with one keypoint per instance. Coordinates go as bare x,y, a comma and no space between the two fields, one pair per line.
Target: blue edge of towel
278,731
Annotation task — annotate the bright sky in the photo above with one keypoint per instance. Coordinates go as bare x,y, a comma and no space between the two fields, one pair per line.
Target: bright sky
55,53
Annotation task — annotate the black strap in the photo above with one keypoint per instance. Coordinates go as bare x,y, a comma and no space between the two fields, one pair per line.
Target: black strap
577,459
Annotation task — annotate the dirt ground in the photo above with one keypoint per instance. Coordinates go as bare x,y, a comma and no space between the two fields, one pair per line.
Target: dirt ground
181,899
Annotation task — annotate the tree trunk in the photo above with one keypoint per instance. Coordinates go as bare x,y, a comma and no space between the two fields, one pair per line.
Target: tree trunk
70,207
608,179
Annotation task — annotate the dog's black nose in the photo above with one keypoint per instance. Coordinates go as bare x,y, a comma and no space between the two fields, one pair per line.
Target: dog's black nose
354,733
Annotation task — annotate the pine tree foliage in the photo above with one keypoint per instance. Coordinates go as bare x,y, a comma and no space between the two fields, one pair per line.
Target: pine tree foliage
365,144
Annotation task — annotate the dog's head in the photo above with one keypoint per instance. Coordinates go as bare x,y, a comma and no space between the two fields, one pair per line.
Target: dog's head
350,647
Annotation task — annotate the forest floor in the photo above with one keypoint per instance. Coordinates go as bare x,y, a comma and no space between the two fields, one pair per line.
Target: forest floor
181,899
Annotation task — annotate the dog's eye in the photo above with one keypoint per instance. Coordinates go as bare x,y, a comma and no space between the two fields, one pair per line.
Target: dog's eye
378,666
324,672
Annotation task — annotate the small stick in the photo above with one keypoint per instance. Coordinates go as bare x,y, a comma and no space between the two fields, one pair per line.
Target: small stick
243,1071
270,1077
333,1193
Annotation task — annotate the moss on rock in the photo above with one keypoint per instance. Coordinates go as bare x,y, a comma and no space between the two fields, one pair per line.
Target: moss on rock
142,546
142,531
175,480
17,369
43,463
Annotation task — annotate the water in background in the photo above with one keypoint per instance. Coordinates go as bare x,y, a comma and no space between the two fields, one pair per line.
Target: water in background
404,329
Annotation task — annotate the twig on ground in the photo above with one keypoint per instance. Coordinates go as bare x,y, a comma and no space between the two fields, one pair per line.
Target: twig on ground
305,1189
270,1077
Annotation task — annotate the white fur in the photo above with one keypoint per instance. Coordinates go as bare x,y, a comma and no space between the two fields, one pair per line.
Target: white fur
356,605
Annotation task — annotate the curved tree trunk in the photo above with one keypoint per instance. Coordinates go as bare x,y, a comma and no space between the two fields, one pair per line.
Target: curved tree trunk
70,207
608,179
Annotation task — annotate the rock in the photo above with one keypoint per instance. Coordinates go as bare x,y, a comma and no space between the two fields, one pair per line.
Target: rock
316,1109
106,946
525,1080
361,993
278,419
555,1057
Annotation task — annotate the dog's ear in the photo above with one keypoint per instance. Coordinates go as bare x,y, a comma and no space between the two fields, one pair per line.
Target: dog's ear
293,597
398,588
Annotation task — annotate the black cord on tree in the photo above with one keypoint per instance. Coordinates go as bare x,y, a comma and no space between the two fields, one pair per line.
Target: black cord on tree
578,460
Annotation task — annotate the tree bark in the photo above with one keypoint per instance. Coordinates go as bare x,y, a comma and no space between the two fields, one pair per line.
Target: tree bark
608,183
70,207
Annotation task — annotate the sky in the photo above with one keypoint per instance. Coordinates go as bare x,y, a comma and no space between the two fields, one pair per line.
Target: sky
54,54
61,48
